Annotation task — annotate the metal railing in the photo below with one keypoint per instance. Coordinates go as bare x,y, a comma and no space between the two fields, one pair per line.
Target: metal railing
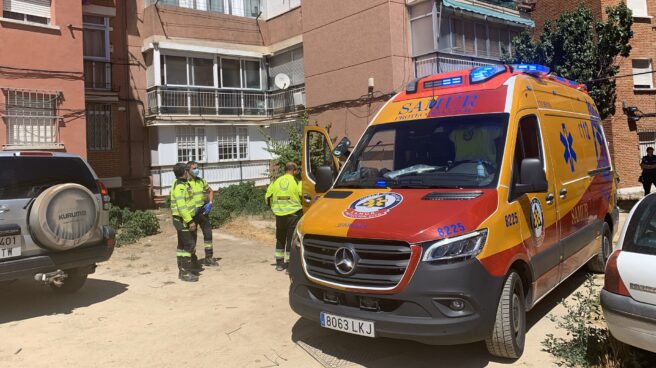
220,102
428,65
217,175
97,75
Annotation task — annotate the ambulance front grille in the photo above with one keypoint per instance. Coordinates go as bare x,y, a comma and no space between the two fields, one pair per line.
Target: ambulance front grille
380,264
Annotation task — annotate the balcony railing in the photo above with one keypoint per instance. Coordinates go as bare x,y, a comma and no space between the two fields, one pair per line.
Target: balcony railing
242,8
220,102
428,65
97,75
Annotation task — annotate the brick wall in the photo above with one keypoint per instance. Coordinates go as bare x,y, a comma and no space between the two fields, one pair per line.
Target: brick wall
622,137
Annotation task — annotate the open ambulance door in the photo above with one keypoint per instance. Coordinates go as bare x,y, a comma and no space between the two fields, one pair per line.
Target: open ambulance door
319,164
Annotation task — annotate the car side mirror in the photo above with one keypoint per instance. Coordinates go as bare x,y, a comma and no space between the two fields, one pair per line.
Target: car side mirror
533,178
324,176
342,148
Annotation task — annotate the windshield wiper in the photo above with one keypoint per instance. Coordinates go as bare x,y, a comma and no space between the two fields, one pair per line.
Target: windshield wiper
355,186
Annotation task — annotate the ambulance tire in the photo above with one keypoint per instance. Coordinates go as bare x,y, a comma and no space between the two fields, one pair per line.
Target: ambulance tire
509,333
598,263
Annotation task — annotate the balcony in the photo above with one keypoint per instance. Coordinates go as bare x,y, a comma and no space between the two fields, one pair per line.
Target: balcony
97,75
241,8
434,64
222,102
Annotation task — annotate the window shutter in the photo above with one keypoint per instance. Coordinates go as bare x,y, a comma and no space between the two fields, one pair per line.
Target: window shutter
39,8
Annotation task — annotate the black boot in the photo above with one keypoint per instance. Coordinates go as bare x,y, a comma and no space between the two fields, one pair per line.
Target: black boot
196,266
209,259
280,265
185,274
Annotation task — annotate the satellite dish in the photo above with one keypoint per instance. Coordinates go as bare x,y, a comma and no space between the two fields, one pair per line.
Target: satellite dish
282,81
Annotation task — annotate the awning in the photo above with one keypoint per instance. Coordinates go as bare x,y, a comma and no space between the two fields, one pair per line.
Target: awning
488,12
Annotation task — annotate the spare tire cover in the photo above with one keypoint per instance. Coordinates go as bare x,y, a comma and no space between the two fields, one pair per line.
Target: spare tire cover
64,216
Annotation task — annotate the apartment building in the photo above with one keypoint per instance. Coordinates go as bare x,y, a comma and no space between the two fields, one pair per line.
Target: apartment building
220,79
42,76
628,141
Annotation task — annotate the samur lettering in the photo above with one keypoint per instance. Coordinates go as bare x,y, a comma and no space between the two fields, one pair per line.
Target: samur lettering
580,213
454,104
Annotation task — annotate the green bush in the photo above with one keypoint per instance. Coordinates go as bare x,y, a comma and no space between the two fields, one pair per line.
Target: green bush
132,225
588,342
235,200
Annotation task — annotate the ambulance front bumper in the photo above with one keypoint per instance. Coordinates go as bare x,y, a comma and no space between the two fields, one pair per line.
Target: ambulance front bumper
423,311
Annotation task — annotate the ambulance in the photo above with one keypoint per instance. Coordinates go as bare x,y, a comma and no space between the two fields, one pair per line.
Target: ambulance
469,197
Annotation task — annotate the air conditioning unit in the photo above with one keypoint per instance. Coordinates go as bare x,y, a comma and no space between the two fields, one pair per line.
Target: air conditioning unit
299,98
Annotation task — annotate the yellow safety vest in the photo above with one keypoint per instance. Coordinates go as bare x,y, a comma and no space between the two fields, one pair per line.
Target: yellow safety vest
182,204
285,194
199,187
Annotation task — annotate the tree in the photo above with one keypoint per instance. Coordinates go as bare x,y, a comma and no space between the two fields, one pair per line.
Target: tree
580,48
290,150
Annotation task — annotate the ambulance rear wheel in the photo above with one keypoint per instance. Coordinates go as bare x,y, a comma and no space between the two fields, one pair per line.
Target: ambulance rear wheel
509,333
598,263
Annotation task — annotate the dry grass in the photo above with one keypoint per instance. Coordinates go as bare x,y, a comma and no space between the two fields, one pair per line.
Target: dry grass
258,228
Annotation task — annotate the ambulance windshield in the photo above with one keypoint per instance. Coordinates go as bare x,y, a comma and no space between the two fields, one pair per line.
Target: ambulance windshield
451,152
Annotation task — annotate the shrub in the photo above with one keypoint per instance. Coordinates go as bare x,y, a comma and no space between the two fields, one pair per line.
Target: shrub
235,200
588,342
132,225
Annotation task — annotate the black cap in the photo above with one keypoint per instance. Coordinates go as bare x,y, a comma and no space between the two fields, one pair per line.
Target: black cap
650,149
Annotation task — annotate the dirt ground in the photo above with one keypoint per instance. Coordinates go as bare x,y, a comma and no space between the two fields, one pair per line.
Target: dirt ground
134,312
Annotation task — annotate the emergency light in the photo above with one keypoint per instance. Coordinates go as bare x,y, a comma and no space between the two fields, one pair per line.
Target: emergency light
483,73
530,68
446,82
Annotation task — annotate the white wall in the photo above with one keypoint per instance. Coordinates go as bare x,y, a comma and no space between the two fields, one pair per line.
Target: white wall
166,147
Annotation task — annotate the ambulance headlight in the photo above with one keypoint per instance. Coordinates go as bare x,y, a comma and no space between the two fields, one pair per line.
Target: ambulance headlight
458,248
297,238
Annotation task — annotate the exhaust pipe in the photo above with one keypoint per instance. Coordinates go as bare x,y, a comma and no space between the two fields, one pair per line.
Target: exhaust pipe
55,277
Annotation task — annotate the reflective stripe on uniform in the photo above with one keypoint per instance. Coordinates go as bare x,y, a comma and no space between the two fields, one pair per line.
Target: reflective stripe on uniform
279,254
182,254
285,194
208,245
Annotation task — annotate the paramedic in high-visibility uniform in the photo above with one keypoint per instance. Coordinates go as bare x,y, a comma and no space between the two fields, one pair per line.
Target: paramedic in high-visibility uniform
284,198
183,209
203,197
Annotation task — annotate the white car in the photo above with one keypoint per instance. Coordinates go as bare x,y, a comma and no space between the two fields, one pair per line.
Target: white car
628,298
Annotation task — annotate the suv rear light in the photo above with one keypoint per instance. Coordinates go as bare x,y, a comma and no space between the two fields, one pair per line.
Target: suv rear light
34,153
105,196
612,281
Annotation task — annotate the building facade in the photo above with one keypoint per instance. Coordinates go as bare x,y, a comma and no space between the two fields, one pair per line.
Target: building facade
628,141
218,80
42,77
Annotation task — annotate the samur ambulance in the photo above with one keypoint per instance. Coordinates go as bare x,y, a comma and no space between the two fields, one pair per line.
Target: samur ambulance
469,197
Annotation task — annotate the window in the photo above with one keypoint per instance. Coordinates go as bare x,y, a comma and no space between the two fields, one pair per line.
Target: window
31,117
421,24
247,8
642,74
202,72
191,144
233,143
638,7
97,69
187,71
528,145
290,63
34,11
646,139
236,73
318,153
99,127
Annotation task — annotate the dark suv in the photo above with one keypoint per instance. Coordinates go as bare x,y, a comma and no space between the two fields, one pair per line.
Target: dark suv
54,219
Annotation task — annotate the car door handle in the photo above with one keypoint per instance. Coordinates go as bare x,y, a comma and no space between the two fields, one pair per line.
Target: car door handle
307,198
563,193
549,198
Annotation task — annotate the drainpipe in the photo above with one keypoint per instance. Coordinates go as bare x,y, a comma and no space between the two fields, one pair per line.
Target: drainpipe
127,86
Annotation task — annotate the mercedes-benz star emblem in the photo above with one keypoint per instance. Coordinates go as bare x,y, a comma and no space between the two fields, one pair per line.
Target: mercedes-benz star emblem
345,261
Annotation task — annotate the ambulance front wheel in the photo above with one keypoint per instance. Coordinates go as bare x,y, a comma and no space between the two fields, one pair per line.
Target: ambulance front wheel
509,333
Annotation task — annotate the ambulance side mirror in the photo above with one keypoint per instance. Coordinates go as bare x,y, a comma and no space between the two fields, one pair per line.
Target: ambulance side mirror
533,178
342,148
324,176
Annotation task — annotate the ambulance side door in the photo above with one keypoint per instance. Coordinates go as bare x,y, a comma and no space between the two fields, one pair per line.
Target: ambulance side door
317,151
537,210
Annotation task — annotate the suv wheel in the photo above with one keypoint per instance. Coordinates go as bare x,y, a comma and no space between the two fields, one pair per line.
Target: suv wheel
72,283
508,336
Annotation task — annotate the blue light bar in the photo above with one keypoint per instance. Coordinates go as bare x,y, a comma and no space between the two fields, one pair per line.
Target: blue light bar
381,184
531,68
484,73
447,82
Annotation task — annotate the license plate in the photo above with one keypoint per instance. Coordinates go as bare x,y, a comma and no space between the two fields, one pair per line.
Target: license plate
349,325
10,246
